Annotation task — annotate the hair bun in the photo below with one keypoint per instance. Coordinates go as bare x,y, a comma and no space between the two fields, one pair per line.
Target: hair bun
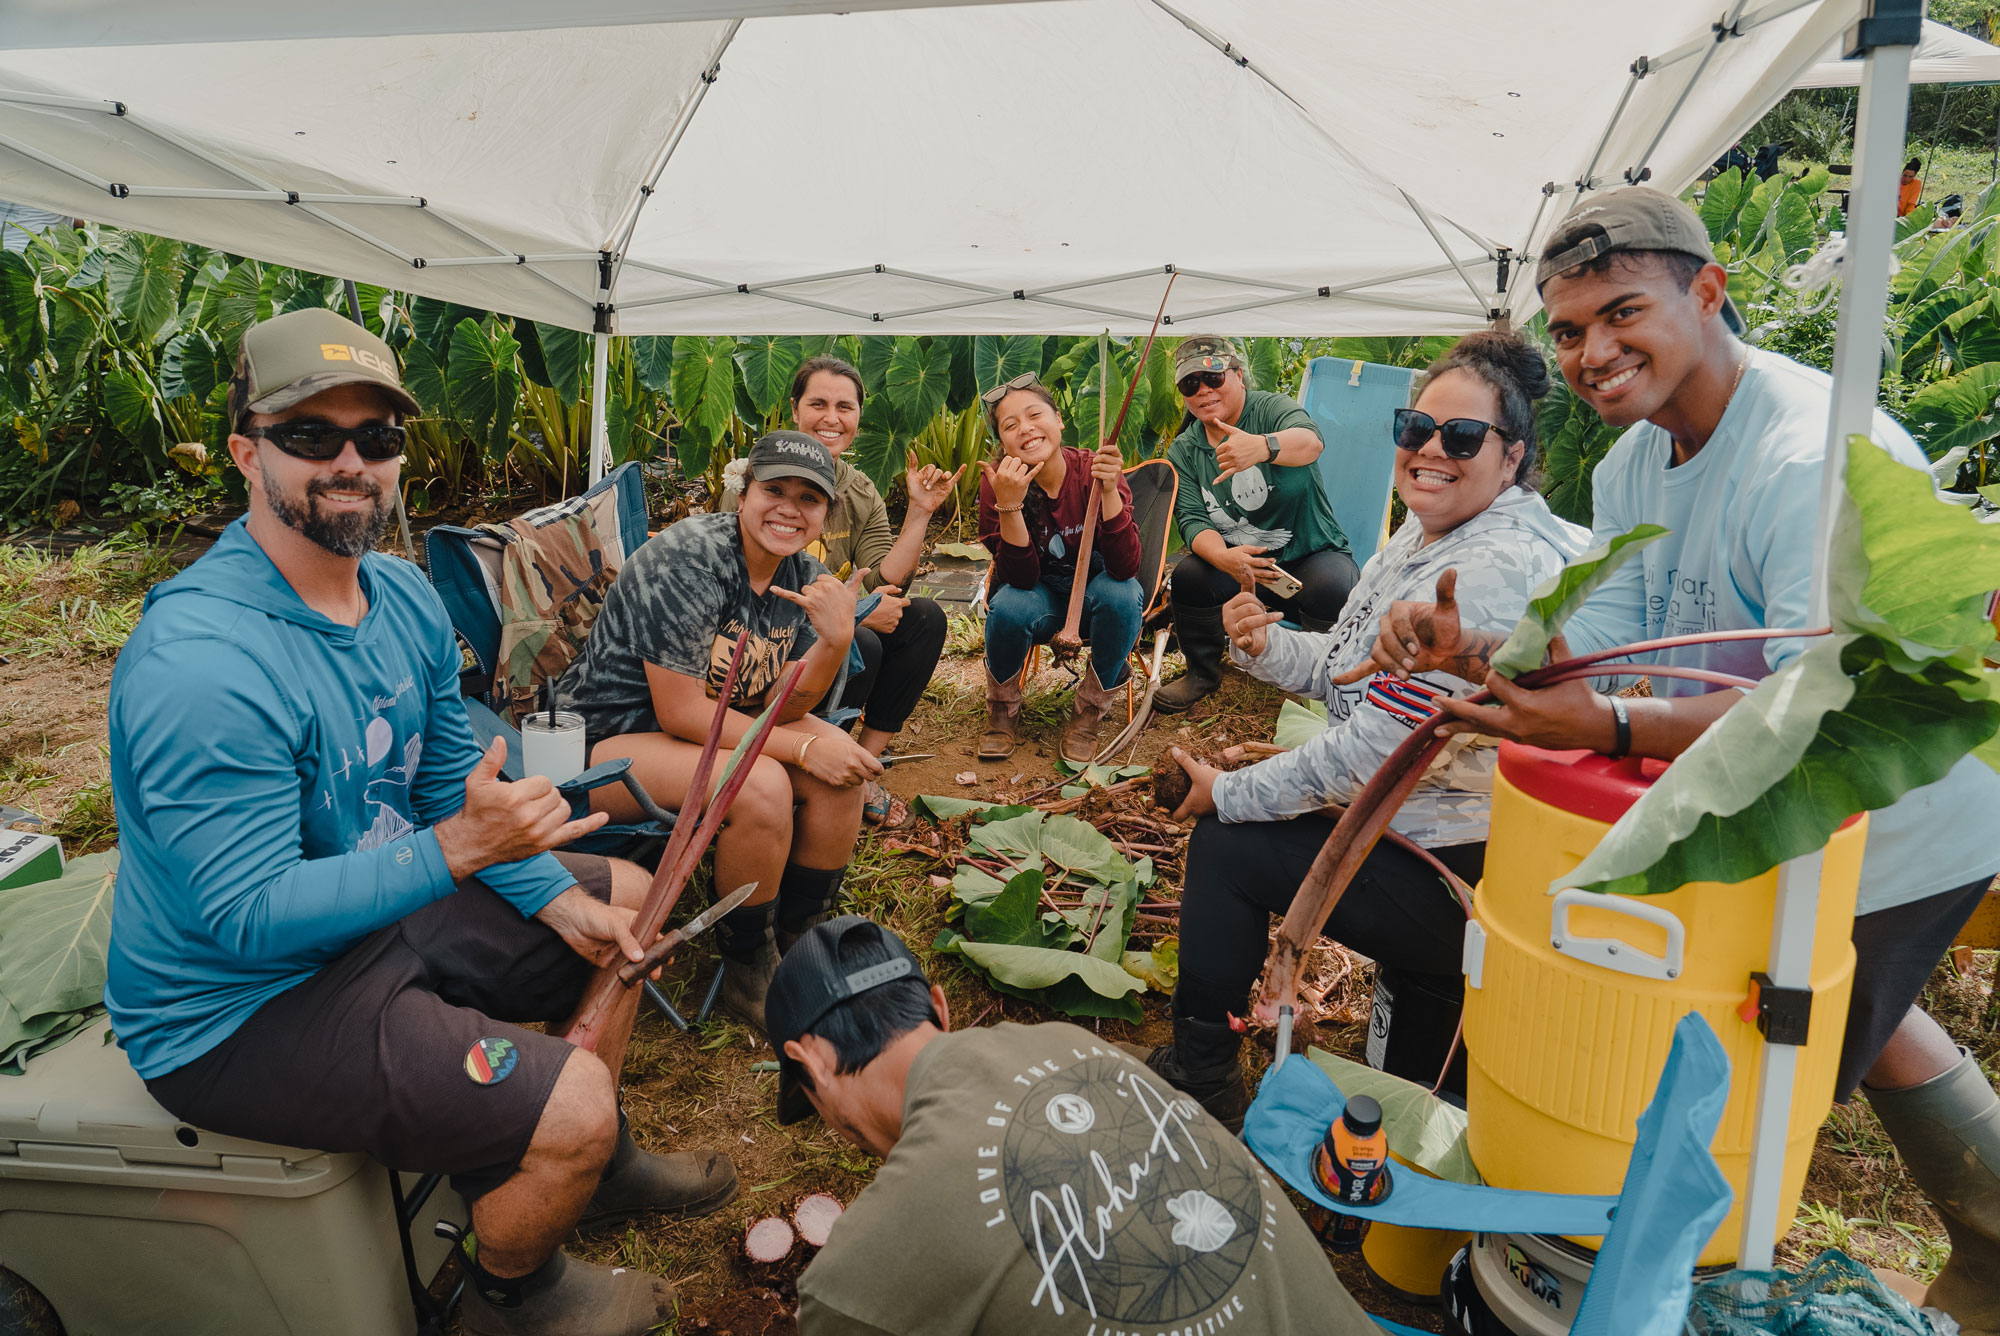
1513,356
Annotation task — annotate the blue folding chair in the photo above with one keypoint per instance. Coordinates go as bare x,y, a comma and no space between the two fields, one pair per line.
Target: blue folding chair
1673,1198
464,567
1353,404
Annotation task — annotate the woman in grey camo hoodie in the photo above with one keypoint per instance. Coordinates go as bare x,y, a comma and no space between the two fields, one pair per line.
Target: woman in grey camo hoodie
1476,520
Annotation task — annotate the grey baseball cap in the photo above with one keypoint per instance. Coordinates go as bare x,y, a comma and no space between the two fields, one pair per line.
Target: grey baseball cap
793,454
292,357
813,979
1632,218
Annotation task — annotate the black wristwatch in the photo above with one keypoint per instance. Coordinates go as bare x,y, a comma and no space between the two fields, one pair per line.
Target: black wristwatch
1271,444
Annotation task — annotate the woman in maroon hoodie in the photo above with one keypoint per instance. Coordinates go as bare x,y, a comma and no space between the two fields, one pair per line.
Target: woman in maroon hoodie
1032,505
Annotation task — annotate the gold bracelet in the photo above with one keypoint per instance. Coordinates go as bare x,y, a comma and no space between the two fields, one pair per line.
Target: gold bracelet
800,759
1008,510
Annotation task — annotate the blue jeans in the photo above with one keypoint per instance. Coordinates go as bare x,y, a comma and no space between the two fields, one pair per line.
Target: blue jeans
1018,619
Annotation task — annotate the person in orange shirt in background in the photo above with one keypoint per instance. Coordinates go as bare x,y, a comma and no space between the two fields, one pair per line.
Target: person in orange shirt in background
1912,187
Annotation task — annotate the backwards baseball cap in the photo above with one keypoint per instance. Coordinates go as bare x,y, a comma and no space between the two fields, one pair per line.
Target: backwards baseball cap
289,359
1632,218
813,979
793,454
1205,352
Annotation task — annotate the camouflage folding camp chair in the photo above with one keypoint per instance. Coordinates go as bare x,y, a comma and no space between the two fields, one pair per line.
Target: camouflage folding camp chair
522,597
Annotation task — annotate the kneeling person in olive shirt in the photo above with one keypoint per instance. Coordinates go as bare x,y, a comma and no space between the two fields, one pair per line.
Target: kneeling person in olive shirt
1035,1178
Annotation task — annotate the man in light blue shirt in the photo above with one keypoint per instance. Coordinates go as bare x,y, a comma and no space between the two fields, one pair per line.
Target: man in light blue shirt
1725,449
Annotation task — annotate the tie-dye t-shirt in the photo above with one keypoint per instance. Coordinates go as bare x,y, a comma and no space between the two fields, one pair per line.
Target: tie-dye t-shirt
681,602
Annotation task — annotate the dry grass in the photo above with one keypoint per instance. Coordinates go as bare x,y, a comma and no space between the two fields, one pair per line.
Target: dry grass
61,618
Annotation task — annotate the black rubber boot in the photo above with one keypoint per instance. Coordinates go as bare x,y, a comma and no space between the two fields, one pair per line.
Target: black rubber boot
683,1185
1202,1063
806,899
749,959
1199,631
1948,1132
565,1297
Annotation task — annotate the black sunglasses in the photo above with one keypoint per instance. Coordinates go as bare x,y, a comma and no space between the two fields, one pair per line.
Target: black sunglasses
1462,438
1194,380
320,441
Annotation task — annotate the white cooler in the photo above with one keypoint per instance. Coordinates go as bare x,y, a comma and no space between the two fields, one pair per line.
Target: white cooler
131,1222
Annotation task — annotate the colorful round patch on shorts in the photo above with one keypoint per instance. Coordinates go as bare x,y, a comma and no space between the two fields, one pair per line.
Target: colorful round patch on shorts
491,1061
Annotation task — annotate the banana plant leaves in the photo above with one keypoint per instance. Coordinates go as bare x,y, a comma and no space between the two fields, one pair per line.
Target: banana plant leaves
53,936
1889,704
1560,597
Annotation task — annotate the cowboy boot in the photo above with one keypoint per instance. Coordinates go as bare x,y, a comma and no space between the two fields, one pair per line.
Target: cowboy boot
1199,631
1003,715
1948,1132
1079,739
1202,1064
637,1182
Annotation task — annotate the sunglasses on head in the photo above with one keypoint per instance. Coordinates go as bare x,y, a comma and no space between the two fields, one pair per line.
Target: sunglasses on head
1194,380
1462,438
376,442
991,398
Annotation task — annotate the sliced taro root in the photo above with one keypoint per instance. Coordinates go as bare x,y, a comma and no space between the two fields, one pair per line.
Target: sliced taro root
814,1217
768,1241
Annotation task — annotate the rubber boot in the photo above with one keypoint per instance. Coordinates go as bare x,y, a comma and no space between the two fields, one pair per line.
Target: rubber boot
1199,631
1086,715
749,959
1948,1132
1003,717
1202,1063
565,1297
806,898
682,1186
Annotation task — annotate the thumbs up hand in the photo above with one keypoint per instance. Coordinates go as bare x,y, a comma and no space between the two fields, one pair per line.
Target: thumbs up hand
504,821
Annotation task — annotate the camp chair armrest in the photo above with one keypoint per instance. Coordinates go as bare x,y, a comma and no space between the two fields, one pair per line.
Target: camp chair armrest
620,771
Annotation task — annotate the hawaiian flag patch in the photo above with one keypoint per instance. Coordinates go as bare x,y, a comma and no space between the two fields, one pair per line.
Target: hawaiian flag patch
1409,703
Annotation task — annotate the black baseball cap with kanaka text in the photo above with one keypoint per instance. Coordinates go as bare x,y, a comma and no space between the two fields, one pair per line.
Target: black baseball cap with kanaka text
793,454
839,959
1632,218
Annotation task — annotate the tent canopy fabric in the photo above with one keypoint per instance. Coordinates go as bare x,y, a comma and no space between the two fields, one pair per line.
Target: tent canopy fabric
1307,167
1944,55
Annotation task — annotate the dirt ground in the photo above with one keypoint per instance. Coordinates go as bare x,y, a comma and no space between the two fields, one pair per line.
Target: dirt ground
704,1089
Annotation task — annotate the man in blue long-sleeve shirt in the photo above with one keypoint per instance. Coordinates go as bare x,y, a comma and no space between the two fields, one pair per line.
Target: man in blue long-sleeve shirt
330,906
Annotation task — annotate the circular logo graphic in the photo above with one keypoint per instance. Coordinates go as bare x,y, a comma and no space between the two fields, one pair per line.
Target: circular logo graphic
1250,489
1142,1214
1072,1114
491,1061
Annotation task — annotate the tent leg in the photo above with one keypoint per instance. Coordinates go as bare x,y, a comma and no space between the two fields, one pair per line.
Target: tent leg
600,384
1857,369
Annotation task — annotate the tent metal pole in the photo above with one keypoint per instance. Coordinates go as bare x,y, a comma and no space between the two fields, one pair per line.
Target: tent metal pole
1887,34
1723,31
600,398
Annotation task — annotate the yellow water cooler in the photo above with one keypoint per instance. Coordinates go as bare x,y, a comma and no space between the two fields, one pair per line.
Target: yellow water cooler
1571,999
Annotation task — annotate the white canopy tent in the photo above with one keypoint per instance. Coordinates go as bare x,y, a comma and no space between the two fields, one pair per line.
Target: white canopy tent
1020,168
1945,55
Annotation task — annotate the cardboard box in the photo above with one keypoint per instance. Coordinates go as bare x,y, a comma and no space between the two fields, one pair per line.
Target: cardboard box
27,857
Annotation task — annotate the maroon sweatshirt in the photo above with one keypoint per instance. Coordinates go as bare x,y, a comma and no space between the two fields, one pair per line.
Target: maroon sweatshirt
1055,528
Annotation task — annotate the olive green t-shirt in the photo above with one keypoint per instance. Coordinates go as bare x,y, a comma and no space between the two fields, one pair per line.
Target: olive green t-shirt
1046,1182
1279,507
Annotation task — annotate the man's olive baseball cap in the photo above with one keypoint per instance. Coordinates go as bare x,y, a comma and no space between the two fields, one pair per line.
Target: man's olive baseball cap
289,359
1205,352
1632,218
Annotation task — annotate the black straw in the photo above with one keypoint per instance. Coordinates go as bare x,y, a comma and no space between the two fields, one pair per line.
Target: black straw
549,695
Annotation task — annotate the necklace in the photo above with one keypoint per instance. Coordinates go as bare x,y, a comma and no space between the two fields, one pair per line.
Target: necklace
1741,363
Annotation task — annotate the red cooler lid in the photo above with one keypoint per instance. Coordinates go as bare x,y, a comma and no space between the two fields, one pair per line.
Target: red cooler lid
1586,783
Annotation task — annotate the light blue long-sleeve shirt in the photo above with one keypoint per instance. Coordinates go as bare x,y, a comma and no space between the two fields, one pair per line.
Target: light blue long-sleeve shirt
276,776
1744,516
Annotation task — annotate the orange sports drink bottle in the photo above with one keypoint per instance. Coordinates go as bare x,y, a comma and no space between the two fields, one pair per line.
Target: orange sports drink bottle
1352,1165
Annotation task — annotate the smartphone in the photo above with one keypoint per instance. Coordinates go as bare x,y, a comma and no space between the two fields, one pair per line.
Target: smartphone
1283,583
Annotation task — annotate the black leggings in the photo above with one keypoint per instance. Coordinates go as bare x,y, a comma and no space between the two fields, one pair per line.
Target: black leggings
1327,575
1398,911
895,667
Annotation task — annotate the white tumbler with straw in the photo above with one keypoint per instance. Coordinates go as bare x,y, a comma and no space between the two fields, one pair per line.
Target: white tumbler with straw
552,742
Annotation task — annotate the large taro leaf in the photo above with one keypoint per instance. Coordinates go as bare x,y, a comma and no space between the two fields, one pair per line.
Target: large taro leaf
143,280
23,325
1958,410
1835,731
565,356
1299,723
52,938
918,379
1113,922
1016,838
485,382
132,406
1079,847
767,362
1069,981
943,807
1936,606
972,886
704,382
192,364
1559,598
1014,917
1422,1128
997,359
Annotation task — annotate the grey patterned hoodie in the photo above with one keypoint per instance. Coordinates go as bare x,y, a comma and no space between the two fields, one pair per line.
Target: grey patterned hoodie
1502,555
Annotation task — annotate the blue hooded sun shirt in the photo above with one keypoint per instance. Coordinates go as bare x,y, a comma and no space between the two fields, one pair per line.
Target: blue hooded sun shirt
277,776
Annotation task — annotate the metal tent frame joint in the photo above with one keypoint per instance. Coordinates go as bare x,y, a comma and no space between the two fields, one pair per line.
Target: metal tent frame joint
1889,23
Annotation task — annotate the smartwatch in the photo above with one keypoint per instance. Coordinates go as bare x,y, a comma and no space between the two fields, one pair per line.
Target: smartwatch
1271,444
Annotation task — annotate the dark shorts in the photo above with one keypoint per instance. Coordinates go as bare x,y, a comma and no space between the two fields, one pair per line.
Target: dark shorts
374,1052
1895,951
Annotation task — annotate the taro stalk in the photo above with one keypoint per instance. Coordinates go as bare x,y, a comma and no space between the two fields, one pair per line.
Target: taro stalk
1891,700
693,832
